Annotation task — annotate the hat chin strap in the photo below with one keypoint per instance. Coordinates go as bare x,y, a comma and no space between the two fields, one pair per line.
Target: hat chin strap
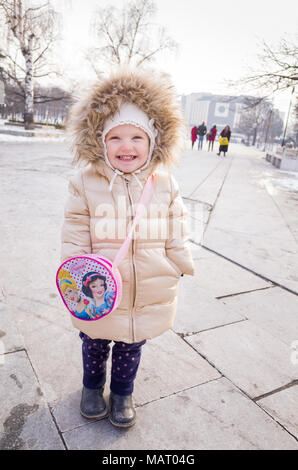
119,172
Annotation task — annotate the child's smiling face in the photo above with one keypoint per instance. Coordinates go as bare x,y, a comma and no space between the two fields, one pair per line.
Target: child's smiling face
97,288
127,147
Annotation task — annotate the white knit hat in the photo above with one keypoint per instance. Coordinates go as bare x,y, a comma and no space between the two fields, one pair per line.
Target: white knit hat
130,114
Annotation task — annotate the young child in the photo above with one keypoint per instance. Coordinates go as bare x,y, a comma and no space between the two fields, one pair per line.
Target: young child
125,128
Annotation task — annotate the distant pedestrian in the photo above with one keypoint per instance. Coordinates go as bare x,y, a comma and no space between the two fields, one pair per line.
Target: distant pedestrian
211,137
224,140
202,130
193,135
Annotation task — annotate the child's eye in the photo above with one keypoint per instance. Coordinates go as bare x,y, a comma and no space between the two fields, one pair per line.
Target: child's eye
137,137
114,137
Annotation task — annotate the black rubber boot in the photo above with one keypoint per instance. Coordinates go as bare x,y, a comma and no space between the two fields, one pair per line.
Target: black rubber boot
93,405
122,412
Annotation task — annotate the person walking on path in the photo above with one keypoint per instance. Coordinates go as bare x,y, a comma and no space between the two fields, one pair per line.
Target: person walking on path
211,137
116,136
193,135
202,130
224,140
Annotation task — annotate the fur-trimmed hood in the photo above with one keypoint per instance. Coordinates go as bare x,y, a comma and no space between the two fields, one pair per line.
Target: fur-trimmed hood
153,93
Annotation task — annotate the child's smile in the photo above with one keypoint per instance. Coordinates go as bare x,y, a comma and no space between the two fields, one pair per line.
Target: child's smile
127,147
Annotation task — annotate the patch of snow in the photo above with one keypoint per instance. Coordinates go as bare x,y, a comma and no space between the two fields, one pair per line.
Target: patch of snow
290,184
23,139
293,173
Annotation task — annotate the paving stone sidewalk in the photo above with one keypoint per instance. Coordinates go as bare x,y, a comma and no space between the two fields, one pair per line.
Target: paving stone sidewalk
225,376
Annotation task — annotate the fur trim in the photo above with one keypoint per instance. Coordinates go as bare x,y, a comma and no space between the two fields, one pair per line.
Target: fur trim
151,92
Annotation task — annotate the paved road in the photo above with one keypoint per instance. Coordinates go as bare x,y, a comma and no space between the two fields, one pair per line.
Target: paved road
225,377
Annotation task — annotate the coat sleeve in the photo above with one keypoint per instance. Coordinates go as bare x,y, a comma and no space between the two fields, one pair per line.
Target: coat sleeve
75,236
177,245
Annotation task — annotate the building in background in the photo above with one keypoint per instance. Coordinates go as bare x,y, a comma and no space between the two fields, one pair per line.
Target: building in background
253,125
219,110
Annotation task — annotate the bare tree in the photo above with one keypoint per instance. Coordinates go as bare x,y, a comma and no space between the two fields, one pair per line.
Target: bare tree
278,68
128,36
31,33
295,125
272,126
259,120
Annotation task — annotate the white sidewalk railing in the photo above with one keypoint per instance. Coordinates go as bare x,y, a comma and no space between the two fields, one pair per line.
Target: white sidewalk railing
284,158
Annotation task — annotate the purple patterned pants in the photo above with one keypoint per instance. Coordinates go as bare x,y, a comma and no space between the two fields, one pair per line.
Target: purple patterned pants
125,362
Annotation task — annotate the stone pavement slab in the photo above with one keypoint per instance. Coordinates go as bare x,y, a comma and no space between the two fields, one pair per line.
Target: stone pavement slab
54,348
248,227
197,219
10,337
197,312
275,310
193,169
168,366
26,422
283,188
219,277
283,406
215,415
209,187
200,187
198,308
253,359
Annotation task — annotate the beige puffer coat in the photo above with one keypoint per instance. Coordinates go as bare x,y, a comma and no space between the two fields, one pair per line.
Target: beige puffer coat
97,219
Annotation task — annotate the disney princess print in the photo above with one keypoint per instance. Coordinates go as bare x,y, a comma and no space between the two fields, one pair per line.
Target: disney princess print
87,288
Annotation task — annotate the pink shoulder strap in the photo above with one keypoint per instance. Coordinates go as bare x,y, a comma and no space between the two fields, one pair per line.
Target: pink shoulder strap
143,203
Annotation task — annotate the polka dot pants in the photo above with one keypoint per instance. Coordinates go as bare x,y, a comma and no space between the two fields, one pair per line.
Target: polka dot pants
125,362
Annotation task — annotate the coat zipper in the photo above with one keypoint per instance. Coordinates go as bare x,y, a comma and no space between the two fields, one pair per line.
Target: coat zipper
134,268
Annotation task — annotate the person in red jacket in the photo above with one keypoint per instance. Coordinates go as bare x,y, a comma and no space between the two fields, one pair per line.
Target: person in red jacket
193,135
211,137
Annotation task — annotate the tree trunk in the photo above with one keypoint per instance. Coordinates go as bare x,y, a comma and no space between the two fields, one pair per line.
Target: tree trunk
29,93
255,136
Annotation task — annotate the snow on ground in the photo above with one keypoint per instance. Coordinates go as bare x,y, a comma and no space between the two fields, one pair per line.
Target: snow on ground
293,173
288,183
23,139
280,180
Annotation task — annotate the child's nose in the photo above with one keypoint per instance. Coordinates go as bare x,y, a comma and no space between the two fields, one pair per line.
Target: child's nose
126,145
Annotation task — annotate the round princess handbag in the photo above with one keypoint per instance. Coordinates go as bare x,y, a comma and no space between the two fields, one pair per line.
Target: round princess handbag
90,285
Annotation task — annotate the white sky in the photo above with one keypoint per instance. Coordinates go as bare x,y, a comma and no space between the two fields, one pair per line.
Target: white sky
218,39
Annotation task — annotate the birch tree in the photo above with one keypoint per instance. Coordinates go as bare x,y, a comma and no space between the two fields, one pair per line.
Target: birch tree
31,32
127,36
